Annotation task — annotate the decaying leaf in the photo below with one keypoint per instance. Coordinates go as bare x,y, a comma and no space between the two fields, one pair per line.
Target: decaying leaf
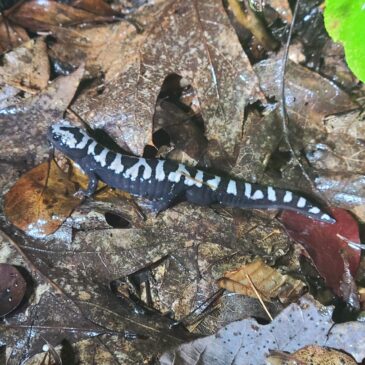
196,41
36,16
267,281
101,48
41,200
340,160
23,126
248,342
262,136
66,311
282,7
11,35
27,67
309,97
98,7
331,248
184,128
314,355
342,151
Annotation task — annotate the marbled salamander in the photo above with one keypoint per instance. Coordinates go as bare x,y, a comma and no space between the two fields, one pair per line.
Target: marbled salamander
165,181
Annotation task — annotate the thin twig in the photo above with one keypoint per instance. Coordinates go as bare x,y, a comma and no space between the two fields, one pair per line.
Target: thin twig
259,296
352,244
284,114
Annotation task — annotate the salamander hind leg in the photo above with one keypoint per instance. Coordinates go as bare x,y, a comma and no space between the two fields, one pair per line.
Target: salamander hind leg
174,195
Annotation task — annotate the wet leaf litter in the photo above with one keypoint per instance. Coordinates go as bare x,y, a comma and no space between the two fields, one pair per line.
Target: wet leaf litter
109,281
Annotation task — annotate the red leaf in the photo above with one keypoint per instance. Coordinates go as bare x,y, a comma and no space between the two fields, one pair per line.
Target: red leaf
328,245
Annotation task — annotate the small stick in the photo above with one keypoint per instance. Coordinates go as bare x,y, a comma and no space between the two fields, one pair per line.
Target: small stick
259,296
284,114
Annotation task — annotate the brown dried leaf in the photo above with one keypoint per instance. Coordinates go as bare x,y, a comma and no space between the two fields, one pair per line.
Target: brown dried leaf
186,135
41,16
40,200
343,150
314,355
196,41
340,160
23,126
267,281
99,7
11,35
283,8
101,47
261,137
309,97
27,67
334,65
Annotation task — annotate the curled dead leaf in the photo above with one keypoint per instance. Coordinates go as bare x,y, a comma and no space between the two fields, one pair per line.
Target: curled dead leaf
267,281
41,200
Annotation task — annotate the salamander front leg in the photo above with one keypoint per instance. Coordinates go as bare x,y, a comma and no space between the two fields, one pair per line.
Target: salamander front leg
91,187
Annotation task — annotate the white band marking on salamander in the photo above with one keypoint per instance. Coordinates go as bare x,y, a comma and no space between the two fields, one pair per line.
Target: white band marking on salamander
214,183
102,157
248,190
301,202
82,144
258,194
116,165
132,172
67,138
91,148
199,178
160,173
326,217
175,176
271,194
288,197
314,210
189,181
232,187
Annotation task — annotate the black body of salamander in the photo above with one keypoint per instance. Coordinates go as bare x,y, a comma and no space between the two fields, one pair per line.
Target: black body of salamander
165,182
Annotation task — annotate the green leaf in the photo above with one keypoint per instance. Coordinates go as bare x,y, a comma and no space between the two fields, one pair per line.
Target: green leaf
345,23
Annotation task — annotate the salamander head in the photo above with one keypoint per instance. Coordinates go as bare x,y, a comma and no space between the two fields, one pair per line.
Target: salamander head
68,139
